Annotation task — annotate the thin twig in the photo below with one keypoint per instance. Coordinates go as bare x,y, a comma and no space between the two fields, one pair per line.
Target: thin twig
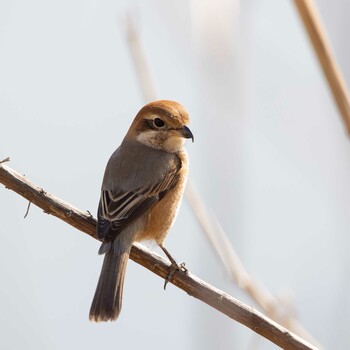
191,284
313,25
29,203
210,226
5,160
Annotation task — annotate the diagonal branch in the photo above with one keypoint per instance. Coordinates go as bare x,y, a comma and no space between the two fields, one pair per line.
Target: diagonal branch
224,303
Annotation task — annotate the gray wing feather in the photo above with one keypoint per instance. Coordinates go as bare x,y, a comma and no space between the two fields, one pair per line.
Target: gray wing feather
118,207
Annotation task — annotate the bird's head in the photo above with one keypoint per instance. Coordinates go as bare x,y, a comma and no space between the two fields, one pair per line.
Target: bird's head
161,125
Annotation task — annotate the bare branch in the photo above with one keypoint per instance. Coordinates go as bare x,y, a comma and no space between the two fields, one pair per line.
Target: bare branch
51,204
83,221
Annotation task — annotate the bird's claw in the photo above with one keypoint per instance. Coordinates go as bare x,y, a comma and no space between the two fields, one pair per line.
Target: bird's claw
173,268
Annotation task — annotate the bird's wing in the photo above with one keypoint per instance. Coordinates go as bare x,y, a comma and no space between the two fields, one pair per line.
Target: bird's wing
118,208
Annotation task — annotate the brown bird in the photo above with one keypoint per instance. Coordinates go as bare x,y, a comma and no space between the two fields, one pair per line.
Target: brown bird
141,192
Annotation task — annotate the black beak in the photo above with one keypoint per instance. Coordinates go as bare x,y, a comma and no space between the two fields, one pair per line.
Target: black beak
186,133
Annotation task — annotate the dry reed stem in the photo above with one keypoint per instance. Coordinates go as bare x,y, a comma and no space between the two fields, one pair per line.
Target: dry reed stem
313,25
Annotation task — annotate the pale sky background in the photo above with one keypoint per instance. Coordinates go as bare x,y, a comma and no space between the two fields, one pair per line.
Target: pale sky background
271,161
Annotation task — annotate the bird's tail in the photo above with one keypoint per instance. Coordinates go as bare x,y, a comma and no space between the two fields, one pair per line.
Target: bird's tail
107,301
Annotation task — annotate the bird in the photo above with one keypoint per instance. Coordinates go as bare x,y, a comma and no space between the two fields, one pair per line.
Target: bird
141,192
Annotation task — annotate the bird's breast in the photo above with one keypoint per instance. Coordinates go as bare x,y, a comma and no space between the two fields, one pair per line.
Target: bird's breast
162,216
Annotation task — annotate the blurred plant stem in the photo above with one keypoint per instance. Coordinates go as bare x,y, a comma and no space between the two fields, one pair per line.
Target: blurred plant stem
313,24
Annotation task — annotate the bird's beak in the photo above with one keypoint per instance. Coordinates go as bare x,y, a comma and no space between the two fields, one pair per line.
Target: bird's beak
186,133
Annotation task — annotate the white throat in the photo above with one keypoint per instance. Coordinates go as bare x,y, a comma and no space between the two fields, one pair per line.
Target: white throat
161,141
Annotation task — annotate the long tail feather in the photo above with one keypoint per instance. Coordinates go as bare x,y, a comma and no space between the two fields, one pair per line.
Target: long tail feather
107,301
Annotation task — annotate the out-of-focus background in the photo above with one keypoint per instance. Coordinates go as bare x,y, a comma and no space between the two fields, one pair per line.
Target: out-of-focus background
271,161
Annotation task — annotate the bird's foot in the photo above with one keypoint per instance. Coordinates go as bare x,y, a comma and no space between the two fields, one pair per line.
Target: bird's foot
173,268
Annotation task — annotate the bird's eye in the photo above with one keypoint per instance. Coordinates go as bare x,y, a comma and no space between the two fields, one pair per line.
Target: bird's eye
158,122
